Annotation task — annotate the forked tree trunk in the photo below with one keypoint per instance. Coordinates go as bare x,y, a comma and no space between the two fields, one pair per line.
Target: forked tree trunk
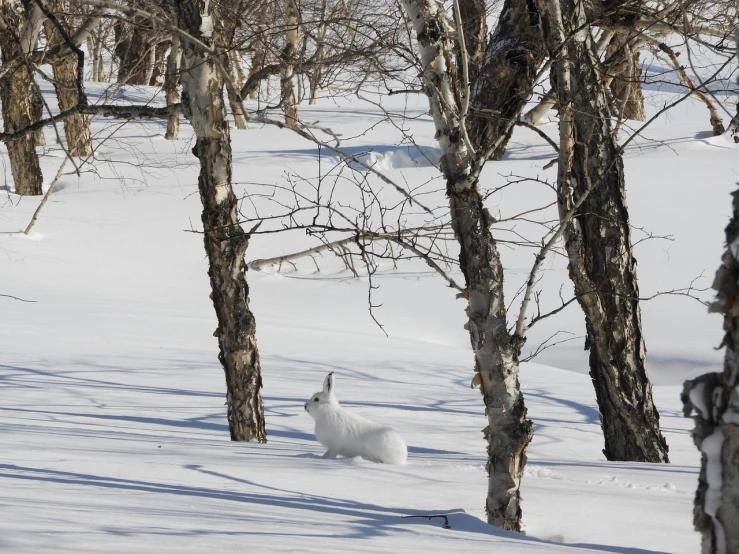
15,88
496,351
171,81
507,76
289,55
76,127
225,240
598,243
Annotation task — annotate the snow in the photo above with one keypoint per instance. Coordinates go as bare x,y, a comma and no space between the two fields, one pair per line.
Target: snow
112,418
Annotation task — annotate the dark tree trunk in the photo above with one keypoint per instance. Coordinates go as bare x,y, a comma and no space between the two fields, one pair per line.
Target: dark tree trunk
506,78
225,240
715,399
76,127
17,108
132,50
598,243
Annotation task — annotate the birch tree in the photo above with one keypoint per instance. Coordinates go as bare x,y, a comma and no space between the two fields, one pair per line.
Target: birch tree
20,22
64,66
225,240
602,267
496,351
713,399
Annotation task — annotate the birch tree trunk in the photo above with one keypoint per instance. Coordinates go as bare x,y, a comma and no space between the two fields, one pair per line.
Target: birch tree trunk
315,76
95,48
598,244
15,89
225,240
289,55
507,76
171,81
714,399
496,352
76,127
623,66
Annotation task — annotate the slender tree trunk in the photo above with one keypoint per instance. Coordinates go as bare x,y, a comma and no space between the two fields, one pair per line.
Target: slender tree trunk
171,81
316,75
76,127
158,63
496,351
225,240
289,54
15,87
507,76
474,24
235,104
95,48
598,243
237,74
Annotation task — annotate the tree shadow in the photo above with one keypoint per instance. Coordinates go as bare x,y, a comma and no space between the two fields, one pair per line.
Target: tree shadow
366,520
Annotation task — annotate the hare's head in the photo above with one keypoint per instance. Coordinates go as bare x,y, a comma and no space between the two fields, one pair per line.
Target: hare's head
320,401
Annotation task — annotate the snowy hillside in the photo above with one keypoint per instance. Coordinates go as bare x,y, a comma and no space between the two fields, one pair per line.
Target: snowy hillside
113,433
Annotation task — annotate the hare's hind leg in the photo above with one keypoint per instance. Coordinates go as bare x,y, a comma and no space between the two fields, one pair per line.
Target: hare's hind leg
329,455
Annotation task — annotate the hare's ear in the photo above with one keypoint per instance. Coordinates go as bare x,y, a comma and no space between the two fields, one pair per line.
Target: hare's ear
328,383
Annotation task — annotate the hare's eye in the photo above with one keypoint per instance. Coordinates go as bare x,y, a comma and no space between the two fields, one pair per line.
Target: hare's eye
315,400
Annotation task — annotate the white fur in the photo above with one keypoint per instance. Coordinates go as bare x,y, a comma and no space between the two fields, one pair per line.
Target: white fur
346,434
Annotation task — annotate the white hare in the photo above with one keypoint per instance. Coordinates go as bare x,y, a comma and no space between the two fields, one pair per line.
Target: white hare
346,434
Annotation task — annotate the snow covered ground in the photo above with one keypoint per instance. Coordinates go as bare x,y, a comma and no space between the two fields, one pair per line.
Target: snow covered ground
113,435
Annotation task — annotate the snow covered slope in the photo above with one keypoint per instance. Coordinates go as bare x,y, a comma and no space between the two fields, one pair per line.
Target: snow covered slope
113,435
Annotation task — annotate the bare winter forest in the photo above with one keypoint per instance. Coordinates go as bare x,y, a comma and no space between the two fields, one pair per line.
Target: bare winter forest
404,201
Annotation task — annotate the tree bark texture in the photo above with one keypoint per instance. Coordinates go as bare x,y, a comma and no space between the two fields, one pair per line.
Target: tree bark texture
714,399
15,95
225,240
37,111
76,127
288,59
507,76
132,50
496,352
474,24
622,65
601,263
